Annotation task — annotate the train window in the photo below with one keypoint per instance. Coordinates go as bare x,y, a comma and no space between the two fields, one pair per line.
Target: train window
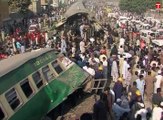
12,98
37,79
26,88
47,73
57,67
65,61
2,115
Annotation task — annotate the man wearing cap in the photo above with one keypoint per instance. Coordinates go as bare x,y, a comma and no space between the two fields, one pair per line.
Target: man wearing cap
118,88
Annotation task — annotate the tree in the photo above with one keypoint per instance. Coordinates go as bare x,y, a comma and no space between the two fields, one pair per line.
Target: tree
137,6
21,5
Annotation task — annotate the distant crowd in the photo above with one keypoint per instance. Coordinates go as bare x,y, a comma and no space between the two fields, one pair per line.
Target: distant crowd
107,51
24,34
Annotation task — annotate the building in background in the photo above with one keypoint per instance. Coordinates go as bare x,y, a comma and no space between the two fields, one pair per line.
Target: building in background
35,6
4,11
47,3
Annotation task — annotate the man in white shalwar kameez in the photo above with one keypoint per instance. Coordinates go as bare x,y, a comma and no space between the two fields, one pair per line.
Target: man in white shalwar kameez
13,45
125,69
63,45
114,71
121,61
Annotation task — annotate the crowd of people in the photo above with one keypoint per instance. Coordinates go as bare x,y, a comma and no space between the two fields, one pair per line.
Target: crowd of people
30,32
135,70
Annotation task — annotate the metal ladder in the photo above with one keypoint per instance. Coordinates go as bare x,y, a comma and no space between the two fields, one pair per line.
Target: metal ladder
99,84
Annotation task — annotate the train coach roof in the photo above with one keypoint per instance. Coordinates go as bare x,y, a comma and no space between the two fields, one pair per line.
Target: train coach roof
14,62
76,8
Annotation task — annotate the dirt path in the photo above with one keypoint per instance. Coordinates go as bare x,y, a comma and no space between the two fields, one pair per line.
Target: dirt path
84,107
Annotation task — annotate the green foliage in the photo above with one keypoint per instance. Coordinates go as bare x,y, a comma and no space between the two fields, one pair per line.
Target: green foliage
21,5
137,6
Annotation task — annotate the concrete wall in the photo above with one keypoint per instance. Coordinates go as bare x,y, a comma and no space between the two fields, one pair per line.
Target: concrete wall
4,10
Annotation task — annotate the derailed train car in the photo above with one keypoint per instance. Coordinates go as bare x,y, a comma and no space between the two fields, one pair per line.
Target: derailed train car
32,84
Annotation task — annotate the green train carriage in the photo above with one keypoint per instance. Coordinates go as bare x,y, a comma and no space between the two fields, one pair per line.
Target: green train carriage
34,83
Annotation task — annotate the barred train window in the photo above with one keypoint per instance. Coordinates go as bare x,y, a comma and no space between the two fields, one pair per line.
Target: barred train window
12,98
2,115
37,79
26,88
47,73
57,67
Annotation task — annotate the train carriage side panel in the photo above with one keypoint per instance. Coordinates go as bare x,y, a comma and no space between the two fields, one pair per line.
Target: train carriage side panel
50,94
35,108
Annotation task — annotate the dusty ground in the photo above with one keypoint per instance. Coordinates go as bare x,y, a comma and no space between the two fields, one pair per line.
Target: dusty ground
85,106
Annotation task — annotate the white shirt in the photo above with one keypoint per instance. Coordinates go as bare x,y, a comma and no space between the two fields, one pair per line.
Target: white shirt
125,69
122,41
82,56
120,50
137,42
157,84
92,61
156,115
141,112
105,63
140,85
89,70
85,68
73,49
101,57
82,46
